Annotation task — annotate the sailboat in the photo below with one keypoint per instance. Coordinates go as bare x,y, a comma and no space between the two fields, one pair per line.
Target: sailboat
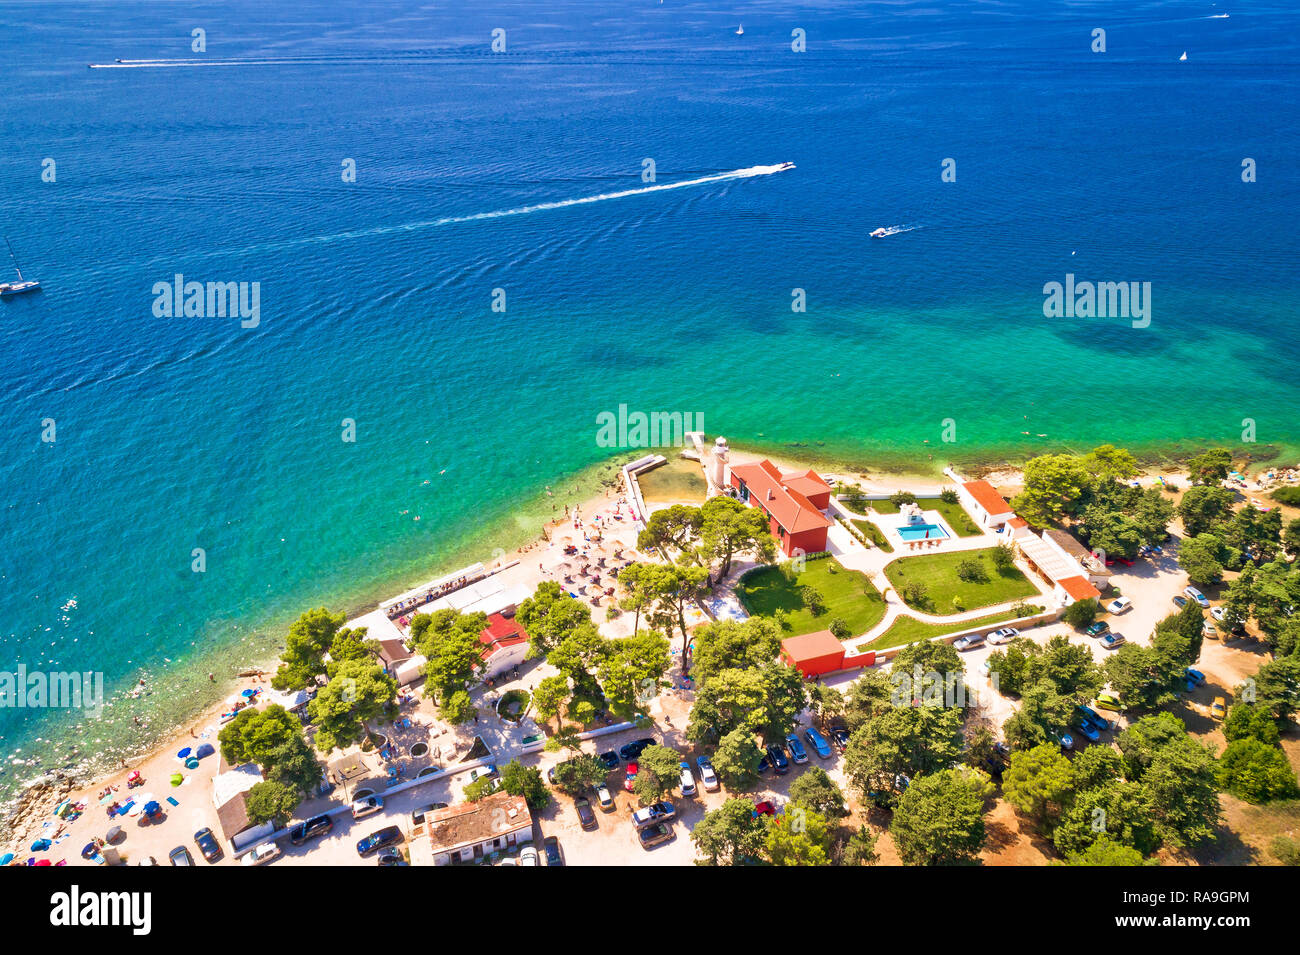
1183,58
740,30
22,285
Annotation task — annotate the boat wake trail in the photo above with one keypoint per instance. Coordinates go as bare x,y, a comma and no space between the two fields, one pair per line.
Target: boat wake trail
747,173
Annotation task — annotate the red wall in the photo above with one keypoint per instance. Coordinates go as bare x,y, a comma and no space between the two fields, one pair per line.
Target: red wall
810,541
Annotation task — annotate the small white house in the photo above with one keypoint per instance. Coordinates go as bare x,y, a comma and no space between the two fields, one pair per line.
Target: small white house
989,509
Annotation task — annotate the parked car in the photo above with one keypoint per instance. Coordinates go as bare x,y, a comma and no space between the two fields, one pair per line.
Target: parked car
686,779
313,828
1109,701
969,642
653,814
1084,726
764,808
1097,719
818,743
417,817
1218,613
996,762
604,799
1218,709
1197,596
528,856
1180,601
180,856
259,854
652,836
367,807
387,836
1119,605
554,855
632,750
1112,640
1064,740
390,856
1209,631
1097,629
1195,677
839,735
797,752
630,781
708,777
1005,635
586,818
482,772
776,755
609,758
207,844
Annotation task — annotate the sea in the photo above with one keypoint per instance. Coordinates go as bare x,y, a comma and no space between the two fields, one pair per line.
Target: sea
421,378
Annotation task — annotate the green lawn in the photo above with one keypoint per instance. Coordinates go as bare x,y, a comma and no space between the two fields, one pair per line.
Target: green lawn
848,594
938,572
909,630
874,534
954,515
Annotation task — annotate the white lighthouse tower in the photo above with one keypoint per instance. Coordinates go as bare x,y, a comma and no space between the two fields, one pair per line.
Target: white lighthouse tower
718,466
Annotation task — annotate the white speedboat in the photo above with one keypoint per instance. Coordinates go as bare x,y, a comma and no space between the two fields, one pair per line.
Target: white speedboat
879,233
740,30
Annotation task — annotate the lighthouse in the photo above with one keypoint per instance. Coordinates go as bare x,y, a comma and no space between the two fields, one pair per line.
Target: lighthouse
718,465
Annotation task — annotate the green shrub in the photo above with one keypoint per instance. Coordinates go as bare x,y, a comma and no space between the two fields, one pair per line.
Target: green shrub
840,629
1080,613
899,498
972,571
1286,850
1287,495
813,600
949,496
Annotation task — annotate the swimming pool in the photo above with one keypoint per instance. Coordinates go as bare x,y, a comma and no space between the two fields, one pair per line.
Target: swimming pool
918,532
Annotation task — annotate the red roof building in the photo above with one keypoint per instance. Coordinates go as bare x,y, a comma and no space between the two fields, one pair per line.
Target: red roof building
792,502
1078,588
813,654
505,644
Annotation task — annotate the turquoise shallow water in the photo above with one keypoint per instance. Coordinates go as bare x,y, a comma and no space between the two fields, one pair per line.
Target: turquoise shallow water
186,432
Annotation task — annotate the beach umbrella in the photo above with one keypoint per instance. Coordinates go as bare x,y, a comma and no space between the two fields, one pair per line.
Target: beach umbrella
112,834
204,750
191,763
177,779
184,754
249,693
88,850
63,807
40,845
152,808
43,862
7,858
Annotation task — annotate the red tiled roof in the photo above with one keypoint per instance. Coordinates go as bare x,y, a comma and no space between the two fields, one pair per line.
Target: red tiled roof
807,483
791,509
986,497
1078,588
1018,522
811,646
501,632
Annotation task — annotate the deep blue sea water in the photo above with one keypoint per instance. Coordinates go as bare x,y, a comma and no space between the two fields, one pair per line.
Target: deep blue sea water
176,433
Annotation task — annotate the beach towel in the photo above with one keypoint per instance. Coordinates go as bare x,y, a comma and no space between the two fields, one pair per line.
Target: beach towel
172,801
